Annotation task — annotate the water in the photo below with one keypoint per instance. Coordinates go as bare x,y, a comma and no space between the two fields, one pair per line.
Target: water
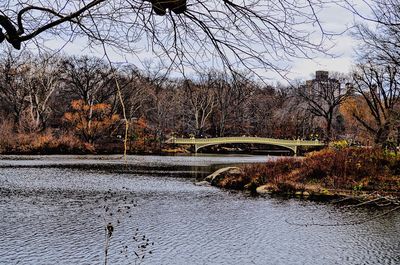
54,211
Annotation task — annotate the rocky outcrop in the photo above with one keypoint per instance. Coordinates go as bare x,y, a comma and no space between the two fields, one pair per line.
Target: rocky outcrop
216,177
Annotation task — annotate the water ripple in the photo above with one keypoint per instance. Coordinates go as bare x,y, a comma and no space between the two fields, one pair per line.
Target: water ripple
58,216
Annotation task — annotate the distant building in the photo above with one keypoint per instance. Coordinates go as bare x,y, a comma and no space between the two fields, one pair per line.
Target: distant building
321,83
321,75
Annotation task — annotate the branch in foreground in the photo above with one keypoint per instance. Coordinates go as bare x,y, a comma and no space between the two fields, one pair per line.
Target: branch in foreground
254,34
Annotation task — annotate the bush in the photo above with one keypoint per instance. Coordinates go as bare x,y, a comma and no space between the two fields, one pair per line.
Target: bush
7,135
40,143
272,171
333,168
235,182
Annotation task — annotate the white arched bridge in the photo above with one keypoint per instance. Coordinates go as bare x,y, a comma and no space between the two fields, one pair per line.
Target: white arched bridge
203,142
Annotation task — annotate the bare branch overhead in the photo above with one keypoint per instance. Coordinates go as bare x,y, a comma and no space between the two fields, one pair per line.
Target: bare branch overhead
255,34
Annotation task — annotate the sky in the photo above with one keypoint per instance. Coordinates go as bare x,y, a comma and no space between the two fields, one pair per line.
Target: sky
333,18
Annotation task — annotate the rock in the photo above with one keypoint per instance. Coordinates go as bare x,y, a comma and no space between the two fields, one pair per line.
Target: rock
302,194
265,189
221,173
250,186
202,183
322,193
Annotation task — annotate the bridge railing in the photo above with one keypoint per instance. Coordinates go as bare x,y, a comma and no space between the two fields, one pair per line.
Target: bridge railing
221,140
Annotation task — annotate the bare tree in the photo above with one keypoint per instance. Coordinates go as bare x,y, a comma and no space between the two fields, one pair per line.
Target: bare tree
255,33
45,80
291,117
87,78
261,105
376,76
244,88
134,88
201,103
380,41
161,112
324,95
161,94
231,95
14,83
380,89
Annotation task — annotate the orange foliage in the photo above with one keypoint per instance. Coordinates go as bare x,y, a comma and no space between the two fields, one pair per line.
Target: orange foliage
46,142
356,106
140,129
91,121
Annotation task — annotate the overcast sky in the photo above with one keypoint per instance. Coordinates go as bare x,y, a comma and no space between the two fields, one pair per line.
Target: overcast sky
333,19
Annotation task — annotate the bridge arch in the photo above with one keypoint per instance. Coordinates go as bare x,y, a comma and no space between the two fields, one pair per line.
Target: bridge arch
199,143
200,146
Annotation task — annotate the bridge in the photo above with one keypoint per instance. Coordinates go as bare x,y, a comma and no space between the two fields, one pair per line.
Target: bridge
199,143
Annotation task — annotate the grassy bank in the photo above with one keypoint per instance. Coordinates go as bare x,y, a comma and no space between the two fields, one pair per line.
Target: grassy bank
326,172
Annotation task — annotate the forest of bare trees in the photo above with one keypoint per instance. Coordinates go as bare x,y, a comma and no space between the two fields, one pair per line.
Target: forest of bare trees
70,104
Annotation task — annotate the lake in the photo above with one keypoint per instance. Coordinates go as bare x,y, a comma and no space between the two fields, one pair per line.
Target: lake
54,210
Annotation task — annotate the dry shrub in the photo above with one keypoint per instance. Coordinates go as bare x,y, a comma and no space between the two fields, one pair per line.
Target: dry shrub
7,136
289,187
347,168
272,171
350,168
15,140
235,182
46,142
33,142
69,143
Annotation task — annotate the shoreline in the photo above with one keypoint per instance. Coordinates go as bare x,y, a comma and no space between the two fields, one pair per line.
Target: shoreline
364,174
326,195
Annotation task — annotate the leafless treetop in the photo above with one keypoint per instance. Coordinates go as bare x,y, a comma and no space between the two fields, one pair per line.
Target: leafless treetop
258,34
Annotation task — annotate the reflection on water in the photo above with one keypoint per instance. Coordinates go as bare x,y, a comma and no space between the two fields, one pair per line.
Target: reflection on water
56,215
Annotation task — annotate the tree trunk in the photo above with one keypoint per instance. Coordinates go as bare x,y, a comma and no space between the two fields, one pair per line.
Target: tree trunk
382,134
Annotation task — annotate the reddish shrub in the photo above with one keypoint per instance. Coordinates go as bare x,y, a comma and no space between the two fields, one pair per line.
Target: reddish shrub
349,168
235,182
272,171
